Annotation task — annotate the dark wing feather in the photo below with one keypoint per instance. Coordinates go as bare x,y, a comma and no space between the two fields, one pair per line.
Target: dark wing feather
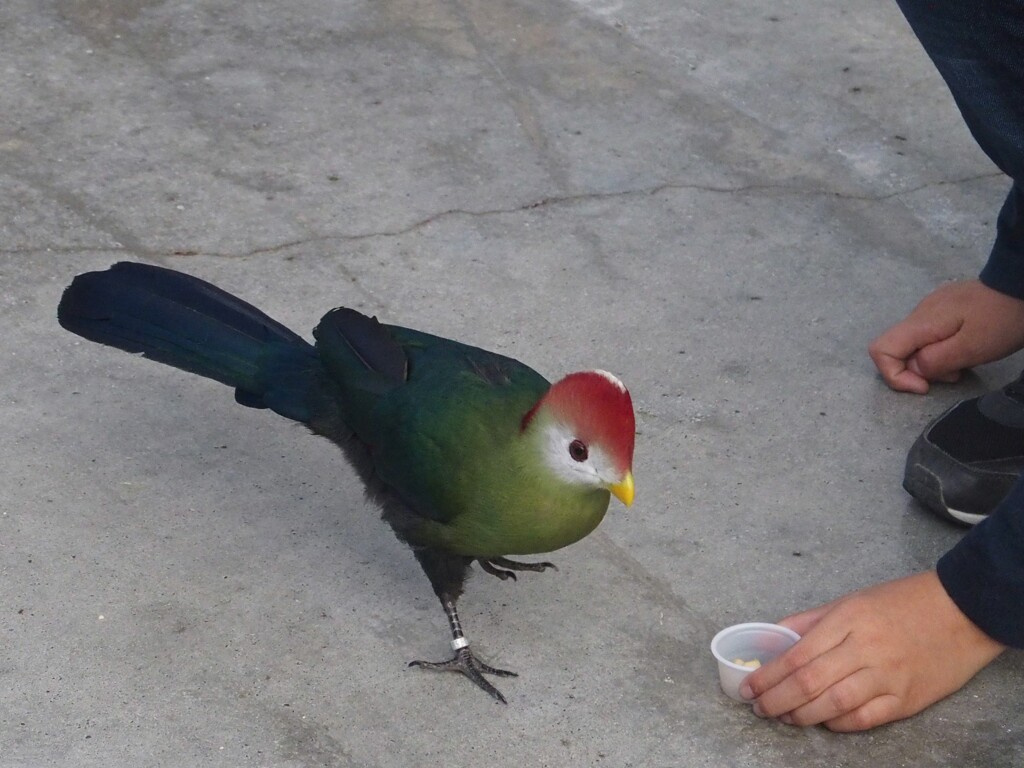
349,340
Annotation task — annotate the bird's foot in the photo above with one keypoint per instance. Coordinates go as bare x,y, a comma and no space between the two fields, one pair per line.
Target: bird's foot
504,568
465,662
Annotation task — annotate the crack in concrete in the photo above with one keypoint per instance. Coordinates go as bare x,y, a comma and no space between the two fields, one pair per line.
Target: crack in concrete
543,202
921,187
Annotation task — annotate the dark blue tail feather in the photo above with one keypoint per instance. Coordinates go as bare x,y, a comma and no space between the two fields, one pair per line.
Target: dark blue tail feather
190,324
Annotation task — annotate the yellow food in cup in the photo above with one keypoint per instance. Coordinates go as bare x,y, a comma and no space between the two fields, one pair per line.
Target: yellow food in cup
752,664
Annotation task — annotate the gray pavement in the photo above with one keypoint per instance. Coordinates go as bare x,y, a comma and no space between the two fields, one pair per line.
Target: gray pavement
722,201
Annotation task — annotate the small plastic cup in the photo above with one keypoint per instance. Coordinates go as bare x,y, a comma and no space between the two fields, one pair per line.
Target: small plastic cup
748,642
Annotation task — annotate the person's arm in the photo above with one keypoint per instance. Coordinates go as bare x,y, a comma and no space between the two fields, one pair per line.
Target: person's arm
1004,271
984,573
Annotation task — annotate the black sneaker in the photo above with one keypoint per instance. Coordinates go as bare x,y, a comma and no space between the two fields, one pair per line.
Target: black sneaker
967,460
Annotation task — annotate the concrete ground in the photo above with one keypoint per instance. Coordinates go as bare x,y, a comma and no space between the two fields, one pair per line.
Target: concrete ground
722,201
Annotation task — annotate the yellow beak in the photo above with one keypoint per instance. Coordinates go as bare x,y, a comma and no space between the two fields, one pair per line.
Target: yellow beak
623,490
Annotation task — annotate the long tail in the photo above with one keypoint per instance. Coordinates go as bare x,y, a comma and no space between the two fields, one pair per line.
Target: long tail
190,324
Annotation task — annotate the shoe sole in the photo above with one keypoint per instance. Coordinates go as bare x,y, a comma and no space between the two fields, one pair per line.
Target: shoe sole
925,486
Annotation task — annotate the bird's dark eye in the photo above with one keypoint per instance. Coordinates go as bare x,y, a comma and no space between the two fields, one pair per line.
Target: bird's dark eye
578,450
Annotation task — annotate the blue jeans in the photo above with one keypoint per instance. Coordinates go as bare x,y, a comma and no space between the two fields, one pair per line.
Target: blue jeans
978,48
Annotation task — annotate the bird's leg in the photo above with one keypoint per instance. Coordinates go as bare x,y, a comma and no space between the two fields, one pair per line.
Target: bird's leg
503,567
464,661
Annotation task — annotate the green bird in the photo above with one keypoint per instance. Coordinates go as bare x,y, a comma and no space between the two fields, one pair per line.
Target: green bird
472,456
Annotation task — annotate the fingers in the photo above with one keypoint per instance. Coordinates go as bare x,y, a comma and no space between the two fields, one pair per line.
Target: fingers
891,352
925,346
955,327
855,703
900,376
793,682
831,675
879,710
800,673
834,690
837,701
876,655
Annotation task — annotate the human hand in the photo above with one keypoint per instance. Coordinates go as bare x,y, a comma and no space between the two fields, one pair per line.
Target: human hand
955,327
871,657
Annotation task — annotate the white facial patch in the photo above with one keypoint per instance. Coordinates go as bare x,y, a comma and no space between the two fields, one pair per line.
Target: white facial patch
596,470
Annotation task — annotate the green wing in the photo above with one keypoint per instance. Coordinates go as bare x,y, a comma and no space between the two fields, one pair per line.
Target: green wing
439,416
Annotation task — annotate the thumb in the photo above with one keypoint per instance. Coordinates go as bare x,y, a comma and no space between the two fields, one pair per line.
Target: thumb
948,378
942,361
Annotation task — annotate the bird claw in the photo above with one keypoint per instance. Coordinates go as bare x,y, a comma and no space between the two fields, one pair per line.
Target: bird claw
503,567
501,573
469,665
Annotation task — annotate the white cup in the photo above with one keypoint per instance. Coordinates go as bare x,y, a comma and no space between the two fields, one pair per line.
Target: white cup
747,642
